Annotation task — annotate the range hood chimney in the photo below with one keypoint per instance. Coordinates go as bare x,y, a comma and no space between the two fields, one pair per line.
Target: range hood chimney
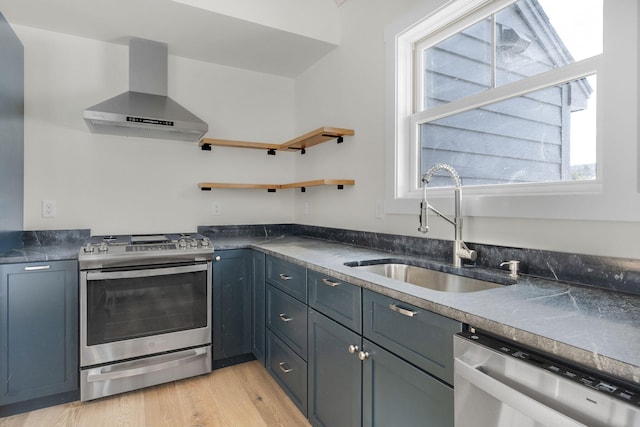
145,110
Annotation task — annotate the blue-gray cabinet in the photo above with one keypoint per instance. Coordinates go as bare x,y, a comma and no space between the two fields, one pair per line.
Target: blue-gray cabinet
11,137
419,336
258,300
335,373
396,393
287,318
38,335
336,299
288,369
393,369
364,359
408,366
232,302
287,276
286,327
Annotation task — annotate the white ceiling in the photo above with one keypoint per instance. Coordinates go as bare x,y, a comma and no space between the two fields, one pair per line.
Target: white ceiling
282,37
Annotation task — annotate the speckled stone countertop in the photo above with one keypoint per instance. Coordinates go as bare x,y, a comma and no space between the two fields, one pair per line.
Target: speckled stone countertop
598,328
42,246
593,327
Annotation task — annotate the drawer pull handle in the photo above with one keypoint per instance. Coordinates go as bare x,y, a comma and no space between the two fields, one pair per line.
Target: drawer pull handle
284,368
37,267
285,277
285,318
330,283
403,311
353,349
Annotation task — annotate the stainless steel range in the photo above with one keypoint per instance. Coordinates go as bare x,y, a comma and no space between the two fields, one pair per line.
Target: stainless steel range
145,311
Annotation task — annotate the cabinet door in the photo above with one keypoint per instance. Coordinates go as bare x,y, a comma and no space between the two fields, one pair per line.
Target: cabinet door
396,393
335,374
258,306
38,330
232,319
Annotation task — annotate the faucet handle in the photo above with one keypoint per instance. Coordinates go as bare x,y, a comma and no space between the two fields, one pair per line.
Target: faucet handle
463,252
514,267
424,217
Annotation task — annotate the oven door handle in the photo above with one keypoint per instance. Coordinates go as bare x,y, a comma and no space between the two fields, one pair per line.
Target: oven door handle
150,272
515,399
197,353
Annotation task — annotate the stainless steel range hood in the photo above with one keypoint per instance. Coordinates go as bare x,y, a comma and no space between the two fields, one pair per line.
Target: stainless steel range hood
145,110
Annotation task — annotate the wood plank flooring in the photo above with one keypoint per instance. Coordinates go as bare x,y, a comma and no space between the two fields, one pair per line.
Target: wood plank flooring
243,395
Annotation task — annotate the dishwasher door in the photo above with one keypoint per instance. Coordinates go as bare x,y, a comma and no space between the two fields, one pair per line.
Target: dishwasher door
497,384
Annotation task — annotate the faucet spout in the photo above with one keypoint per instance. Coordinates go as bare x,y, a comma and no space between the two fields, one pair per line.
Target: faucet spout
460,249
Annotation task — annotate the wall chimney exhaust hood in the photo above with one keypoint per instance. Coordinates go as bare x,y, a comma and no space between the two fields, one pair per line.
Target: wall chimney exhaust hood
145,110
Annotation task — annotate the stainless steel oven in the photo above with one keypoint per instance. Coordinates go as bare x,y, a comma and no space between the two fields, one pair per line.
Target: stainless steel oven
501,384
145,311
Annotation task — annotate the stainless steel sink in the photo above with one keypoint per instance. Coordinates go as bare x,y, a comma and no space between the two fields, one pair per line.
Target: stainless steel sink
425,277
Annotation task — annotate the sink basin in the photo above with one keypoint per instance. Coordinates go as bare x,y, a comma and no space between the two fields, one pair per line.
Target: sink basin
425,277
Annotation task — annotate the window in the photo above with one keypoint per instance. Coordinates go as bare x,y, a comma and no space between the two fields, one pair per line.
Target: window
504,91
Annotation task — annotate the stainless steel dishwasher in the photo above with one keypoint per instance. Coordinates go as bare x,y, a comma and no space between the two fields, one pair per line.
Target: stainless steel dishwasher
498,384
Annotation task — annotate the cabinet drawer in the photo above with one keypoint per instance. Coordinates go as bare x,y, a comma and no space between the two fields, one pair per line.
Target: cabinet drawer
336,299
289,370
417,335
288,277
287,318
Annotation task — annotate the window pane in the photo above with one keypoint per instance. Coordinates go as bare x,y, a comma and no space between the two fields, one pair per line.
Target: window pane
536,36
458,66
543,136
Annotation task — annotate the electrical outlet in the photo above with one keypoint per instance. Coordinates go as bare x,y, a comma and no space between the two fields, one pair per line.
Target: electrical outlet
379,209
216,209
48,208
306,208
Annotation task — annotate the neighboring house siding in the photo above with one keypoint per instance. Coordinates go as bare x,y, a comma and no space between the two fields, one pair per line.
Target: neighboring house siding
531,131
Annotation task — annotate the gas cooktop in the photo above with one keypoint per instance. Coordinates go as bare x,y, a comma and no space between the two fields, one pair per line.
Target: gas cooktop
142,249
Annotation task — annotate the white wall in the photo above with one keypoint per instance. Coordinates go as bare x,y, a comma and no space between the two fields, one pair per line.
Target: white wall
347,88
135,185
113,185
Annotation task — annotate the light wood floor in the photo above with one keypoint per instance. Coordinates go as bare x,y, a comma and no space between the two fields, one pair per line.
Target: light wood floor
243,395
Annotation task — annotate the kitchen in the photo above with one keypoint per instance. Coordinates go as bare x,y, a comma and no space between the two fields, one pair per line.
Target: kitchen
115,185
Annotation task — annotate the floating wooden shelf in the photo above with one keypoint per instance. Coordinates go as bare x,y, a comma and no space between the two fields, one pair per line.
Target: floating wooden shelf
300,143
340,183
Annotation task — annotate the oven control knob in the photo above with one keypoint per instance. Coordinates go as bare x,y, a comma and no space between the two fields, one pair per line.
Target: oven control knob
193,243
205,242
88,249
182,243
103,247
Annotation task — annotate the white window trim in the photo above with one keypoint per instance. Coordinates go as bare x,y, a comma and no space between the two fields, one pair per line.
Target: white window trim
543,200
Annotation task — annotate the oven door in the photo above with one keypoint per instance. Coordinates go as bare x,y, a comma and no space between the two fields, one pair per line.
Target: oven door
131,313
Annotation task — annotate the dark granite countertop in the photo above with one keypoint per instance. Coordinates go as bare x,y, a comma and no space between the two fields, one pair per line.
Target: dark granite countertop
597,328
42,246
594,327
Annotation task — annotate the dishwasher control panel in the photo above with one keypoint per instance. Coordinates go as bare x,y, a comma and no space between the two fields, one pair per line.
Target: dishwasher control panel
613,387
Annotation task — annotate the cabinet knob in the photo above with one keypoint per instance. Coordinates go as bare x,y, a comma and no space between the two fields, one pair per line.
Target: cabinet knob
363,355
353,349
217,258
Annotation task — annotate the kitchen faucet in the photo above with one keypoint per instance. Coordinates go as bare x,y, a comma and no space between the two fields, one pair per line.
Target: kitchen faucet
460,249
